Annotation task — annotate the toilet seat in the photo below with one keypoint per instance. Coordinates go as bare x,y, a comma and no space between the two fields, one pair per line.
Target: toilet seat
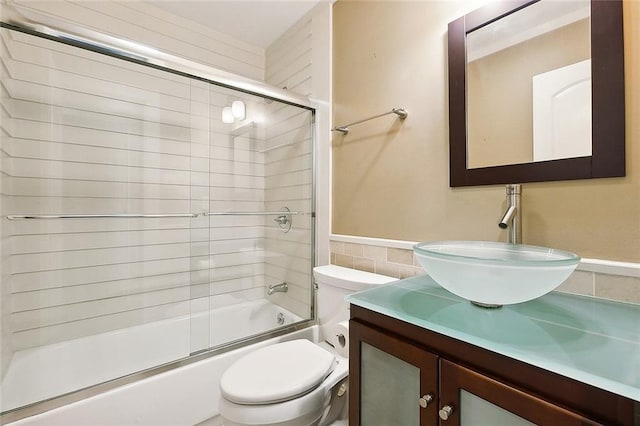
277,373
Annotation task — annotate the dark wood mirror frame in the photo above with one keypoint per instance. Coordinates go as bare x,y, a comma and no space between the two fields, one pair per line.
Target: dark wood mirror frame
608,120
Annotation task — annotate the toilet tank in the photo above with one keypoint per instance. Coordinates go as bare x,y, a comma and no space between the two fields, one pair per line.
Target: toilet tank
334,283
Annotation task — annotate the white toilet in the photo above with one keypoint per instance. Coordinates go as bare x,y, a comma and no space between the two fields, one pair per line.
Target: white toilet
298,383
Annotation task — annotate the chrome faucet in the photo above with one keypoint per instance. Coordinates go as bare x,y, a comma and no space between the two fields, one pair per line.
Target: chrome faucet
512,217
282,287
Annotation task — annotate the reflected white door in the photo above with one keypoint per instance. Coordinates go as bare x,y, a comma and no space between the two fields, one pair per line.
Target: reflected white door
562,112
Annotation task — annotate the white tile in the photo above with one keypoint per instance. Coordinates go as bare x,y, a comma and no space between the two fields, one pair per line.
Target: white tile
109,70
295,264
280,149
236,284
21,263
236,246
236,258
288,179
61,314
43,131
72,330
234,181
303,162
221,153
223,300
77,276
296,234
96,172
226,221
236,206
236,232
100,225
88,292
94,240
238,271
294,128
236,194
296,192
237,168
278,248
75,99
96,120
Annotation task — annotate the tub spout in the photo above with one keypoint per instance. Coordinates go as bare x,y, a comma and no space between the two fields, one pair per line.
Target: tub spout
282,287
511,219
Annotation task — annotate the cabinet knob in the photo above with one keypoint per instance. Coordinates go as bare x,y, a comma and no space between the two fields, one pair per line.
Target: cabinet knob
425,400
445,412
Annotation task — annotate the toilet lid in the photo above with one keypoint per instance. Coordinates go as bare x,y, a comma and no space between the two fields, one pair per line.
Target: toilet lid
276,373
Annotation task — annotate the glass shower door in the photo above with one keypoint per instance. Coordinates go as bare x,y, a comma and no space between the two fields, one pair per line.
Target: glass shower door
136,226
101,162
261,179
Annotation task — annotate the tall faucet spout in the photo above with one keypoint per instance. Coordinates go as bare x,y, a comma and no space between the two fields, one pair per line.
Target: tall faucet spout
512,217
508,217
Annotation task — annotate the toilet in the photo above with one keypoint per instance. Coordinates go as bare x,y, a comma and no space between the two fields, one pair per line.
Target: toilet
298,382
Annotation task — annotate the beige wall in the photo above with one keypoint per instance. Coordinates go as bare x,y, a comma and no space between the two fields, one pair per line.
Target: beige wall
391,178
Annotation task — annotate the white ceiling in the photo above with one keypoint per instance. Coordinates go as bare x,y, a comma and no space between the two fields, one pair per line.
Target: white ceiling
258,22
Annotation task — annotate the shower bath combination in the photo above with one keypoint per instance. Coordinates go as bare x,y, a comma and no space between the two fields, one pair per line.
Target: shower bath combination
140,229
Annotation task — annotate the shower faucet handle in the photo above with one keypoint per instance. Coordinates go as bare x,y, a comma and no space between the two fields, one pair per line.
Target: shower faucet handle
281,220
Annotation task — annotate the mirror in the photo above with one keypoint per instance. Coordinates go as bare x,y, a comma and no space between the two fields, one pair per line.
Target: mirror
534,66
536,92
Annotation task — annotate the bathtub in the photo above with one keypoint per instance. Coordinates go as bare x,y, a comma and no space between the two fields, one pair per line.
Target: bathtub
44,372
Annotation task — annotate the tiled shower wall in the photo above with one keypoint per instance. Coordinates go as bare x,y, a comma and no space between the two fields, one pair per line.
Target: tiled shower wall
401,263
142,22
81,136
288,63
288,181
289,171
86,133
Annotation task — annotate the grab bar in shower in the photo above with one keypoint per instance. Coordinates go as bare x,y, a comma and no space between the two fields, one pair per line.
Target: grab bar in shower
143,216
283,216
400,112
272,213
97,216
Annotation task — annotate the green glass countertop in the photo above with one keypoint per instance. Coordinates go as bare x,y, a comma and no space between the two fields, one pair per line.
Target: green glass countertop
591,340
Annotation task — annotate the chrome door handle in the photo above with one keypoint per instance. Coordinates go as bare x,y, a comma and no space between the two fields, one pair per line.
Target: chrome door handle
425,400
445,412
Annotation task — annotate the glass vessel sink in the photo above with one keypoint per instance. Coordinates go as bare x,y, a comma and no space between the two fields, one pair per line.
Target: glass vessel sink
492,274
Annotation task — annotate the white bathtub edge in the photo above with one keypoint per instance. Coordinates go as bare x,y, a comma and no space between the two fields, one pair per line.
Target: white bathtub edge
184,396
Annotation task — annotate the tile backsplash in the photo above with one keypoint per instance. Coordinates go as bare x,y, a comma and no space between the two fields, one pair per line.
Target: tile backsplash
401,263
393,262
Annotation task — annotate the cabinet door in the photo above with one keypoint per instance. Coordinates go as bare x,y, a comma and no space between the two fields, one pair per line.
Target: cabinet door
469,398
391,382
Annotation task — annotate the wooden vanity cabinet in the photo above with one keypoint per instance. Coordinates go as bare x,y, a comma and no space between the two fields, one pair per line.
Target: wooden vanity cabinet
401,374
